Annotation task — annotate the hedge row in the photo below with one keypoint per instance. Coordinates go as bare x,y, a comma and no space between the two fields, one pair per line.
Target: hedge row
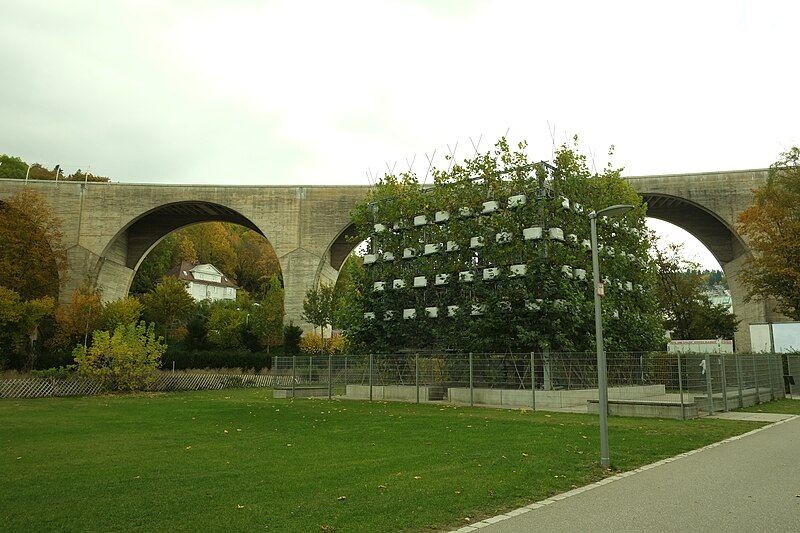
242,358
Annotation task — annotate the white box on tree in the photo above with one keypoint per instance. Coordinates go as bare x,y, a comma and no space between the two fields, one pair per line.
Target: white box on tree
517,200
518,270
557,234
533,233
490,207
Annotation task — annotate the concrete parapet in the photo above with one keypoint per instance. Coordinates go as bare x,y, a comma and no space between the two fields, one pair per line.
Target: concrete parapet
552,399
645,409
406,393
301,392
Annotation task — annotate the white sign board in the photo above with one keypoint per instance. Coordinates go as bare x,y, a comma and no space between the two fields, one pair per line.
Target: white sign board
701,346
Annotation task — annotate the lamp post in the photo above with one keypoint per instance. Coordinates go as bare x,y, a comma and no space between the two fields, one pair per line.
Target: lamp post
602,380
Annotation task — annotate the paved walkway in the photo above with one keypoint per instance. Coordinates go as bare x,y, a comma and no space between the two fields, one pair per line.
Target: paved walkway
750,483
752,417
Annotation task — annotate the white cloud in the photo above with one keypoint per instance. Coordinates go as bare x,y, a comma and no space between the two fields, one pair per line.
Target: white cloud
317,92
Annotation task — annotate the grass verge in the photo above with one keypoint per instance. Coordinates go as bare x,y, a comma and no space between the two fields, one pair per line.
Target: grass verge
784,405
238,459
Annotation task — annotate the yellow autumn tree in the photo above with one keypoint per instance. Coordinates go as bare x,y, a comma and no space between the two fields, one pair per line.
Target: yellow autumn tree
771,226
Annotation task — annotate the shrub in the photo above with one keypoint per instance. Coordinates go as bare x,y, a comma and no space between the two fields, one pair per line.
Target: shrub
55,373
311,344
291,339
123,360
187,359
127,310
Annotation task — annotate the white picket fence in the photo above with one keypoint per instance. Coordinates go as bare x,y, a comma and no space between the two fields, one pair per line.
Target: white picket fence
77,386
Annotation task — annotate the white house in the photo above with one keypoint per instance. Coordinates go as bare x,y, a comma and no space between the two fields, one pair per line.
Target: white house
205,282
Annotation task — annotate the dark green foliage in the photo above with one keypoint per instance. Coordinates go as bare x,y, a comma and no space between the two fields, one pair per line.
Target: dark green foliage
291,339
686,311
155,266
215,358
546,307
12,167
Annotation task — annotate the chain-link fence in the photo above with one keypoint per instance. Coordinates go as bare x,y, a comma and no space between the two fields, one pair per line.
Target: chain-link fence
793,374
639,384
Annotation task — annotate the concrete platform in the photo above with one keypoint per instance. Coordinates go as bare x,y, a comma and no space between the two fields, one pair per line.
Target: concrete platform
301,392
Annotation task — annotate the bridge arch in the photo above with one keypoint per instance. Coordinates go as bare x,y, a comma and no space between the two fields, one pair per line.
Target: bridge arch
125,252
708,227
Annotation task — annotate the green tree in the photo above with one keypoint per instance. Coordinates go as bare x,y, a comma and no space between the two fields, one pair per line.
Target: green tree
126,310
266,317
347,312
687,312
771,226
124,360
19,320
226,324
546,302
318,306
169,305
12,167
291,339
156,265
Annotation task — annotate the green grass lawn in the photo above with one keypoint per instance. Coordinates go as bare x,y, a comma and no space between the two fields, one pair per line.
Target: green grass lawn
784,405
238,459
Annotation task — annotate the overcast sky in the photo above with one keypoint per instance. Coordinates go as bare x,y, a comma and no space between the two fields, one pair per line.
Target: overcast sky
258,92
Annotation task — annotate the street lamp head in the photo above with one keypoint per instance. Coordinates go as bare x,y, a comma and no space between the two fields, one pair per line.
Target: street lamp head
612,211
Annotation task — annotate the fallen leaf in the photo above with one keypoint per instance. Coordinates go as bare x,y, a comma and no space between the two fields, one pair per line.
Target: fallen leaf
238,429
417,477
136,477
239,506
524,454
458,492
340,498
225,431
381,486
188,447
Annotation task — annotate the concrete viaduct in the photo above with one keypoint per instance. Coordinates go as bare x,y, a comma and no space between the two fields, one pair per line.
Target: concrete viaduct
108,228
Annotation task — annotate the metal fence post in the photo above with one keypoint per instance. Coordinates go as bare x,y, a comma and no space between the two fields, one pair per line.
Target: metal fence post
723,375
680,388
294,372
345,375
416,374
330,377
739,380
370,377
471,398
709,390
755,378
641,368
769,376
533,382
309,369
547,378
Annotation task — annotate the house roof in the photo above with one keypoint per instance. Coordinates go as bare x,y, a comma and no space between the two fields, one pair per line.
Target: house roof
185,272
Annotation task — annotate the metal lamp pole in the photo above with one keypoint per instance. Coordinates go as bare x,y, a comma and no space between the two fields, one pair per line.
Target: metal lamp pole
602,379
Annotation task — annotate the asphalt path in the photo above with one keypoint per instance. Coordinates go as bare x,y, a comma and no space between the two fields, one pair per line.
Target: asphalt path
749,484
